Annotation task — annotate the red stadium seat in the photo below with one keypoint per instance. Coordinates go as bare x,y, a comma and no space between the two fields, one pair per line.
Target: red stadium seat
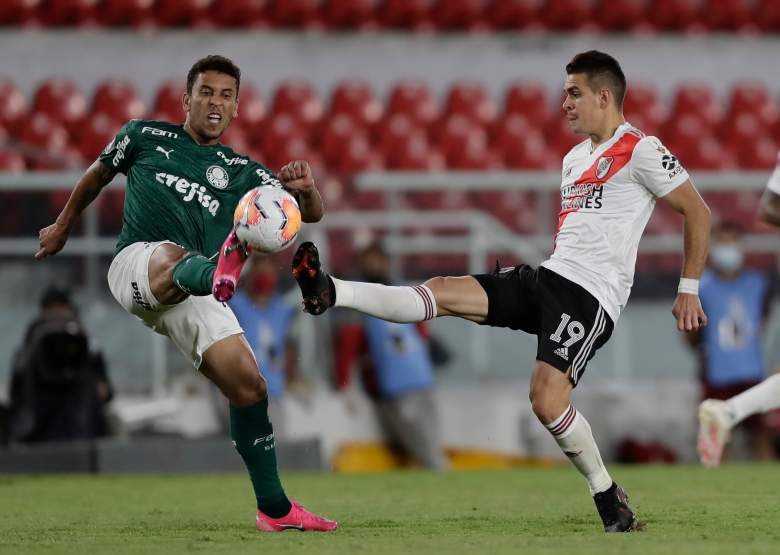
645,125
406,14
20,12
299,99
251,109
415,154
752,98
118,99
675,15
168,102
394,131
566,14
295,13
727,15
516,209
180,13
279,129
471,99
70,12
336,134
294,148
61,100
620,15
11,161
513,14
350,14
356,155
766,15
705,154
356,98
642,101
559,136
43,133
413,98
682,133
695,99
521,148
454,134
13,108
236,138
459,14
758,154
474,154
241,13
139,13
529,100
96,133
740,129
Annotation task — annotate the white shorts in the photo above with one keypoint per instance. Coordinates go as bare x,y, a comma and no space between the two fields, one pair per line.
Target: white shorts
194,324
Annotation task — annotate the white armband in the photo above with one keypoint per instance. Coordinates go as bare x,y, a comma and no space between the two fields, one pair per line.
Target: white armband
688,286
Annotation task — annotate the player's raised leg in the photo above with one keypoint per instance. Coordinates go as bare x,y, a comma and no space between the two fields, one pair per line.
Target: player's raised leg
551,402
230,364
439,296
717,418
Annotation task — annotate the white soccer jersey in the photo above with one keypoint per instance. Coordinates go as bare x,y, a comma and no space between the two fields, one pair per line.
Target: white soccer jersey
607,197
774,181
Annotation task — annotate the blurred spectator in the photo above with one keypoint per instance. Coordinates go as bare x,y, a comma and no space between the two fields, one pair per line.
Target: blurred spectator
737,301
59,388
397,372
267,319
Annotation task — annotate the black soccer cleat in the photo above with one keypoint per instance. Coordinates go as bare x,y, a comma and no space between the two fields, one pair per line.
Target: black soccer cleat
316,286
614,510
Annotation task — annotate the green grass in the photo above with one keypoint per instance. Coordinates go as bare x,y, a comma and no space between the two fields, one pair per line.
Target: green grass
734,510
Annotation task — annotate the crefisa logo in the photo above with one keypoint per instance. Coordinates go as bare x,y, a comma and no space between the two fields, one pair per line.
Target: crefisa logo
217,176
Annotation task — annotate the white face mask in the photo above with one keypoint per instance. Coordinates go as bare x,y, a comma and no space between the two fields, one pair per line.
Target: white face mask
726,258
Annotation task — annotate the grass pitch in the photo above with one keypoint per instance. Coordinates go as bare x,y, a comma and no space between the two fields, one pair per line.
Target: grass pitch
733,510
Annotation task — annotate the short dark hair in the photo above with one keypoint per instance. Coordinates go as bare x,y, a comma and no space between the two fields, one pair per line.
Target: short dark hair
602,70
728,226
54,295
213,62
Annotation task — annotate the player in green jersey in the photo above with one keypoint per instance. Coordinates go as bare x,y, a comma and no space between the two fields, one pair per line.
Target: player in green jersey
182,188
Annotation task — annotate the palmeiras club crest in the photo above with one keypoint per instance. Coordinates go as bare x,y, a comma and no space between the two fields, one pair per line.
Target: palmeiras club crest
217,176
602,168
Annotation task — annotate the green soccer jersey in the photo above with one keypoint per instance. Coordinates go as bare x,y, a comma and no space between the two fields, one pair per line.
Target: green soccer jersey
178,190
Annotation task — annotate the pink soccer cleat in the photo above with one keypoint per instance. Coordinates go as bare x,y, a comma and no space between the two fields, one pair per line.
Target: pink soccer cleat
715,422
232,256
298,519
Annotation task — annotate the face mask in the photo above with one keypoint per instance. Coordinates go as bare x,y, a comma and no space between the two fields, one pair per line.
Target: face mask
726,258
264,283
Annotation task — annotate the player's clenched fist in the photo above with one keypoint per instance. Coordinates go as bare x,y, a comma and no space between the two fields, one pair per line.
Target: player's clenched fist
52,239
688,312
297,176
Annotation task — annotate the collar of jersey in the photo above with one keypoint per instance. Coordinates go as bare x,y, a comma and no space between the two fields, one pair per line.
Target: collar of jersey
609,142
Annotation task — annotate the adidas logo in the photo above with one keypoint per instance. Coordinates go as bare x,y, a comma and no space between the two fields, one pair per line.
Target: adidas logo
562,352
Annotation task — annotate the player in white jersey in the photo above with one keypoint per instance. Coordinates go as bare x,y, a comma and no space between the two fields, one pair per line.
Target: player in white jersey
571,302
716,417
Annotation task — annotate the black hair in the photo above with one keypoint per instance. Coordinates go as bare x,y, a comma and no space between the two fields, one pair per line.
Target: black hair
729,226
602,70
213,62
54,295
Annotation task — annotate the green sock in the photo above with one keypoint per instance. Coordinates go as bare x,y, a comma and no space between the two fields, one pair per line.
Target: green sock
194,274
253,437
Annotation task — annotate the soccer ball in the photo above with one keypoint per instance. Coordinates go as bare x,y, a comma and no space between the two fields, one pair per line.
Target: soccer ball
267,219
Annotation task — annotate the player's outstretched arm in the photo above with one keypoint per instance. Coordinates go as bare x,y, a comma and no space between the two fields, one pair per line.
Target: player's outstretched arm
769,208
297,177
53,237
687,201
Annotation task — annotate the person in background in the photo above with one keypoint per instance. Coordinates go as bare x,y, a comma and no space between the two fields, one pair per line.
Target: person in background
737,300
397,372
267,318
59,387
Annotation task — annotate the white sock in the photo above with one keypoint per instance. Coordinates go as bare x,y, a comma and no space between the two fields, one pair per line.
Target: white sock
758,399
394,304
573,435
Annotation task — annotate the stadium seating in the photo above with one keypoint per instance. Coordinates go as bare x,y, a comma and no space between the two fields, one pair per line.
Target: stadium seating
521,129
407,15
